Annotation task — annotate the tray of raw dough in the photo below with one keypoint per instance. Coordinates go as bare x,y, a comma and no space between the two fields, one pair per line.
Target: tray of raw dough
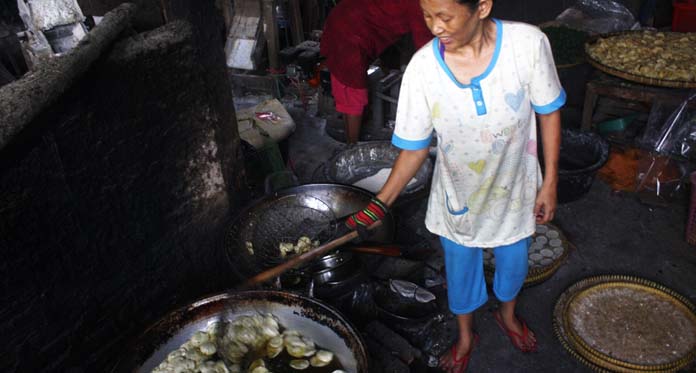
648,57
626,324
546,254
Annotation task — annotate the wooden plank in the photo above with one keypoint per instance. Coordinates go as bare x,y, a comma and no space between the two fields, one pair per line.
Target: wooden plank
271,28
247,16
296,28
242,40
588,106
244,27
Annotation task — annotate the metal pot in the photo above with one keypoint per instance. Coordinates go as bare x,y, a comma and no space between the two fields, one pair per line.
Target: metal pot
370,160
318,321
332,260
338,200
335,274
334,289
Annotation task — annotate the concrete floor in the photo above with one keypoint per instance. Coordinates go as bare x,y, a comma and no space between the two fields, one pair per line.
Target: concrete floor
612,233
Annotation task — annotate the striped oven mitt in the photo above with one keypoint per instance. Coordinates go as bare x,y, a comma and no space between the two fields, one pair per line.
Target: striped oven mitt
375,210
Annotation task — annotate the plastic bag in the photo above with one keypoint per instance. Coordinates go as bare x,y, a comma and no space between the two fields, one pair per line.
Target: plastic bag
659,178
265,120
678,134
410,290
598,17
660,172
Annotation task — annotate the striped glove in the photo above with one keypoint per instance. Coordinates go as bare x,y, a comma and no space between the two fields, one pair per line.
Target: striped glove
375,210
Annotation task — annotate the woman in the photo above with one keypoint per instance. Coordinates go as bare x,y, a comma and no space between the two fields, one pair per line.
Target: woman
355,34
478,85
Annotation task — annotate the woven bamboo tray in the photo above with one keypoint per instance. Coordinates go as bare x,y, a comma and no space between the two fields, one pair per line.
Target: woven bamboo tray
580,302
541,267
629,76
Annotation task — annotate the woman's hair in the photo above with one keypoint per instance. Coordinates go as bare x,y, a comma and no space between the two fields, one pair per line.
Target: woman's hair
472,4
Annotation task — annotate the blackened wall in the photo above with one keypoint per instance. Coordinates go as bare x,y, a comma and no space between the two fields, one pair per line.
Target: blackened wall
113,201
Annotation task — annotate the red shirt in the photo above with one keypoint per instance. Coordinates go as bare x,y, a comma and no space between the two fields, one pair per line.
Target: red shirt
357,31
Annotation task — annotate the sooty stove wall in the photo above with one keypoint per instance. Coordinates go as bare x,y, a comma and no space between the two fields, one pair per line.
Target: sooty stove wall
112,202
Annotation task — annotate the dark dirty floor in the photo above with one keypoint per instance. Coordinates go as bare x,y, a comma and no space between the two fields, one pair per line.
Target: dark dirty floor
612,233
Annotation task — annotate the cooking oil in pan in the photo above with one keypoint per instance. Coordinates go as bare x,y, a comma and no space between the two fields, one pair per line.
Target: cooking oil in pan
282,363
250,343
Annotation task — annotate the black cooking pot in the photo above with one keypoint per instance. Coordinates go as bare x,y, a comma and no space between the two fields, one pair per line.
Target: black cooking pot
314,319
335,274
332,260
331,290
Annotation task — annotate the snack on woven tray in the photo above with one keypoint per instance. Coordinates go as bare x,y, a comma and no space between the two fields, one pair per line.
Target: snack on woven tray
658,55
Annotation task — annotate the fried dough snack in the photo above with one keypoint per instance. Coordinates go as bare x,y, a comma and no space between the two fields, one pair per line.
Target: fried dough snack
660,55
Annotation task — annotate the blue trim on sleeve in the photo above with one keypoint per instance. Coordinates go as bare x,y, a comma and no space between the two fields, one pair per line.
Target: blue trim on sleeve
410,144
553,106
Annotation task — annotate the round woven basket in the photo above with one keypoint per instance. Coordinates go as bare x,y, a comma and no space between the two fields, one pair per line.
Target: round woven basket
597,360
541,273
630,76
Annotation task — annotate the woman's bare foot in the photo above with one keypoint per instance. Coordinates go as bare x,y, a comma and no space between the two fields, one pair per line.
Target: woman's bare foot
456,359
518,332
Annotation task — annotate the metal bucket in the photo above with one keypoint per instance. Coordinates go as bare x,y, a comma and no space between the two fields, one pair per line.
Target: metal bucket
369,163
314,319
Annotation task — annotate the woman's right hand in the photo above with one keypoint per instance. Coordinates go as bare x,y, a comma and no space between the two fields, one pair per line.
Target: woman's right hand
405,167
376,210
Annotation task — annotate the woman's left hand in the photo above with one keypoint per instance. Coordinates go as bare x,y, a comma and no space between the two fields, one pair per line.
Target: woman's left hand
545,206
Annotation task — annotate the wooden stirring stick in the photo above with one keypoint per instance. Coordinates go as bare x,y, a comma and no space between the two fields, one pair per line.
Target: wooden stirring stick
303,258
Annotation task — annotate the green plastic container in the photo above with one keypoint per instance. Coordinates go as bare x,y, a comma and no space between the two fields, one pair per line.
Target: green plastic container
616,125
263,162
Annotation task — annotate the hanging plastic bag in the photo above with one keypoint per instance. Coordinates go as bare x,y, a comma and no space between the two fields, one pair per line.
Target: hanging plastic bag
661,172
659,178
598,17
678,135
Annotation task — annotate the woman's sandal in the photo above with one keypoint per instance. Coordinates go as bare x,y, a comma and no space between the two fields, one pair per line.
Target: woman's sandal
519,341
462,363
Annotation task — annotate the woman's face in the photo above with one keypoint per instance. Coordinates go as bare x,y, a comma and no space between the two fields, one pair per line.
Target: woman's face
453,23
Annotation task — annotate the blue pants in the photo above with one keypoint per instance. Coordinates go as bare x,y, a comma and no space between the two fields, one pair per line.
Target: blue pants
466,284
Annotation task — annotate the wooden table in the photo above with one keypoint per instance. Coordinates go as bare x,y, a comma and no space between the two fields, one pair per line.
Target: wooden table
606,85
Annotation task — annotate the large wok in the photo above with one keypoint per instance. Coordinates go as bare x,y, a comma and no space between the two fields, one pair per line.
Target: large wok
312,318
338,200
